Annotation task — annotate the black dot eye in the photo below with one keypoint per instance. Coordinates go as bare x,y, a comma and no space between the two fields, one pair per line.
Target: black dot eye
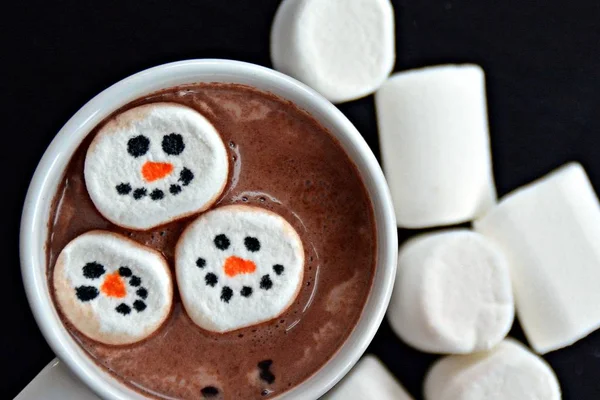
172,144
93,270
222,242
200,262
252,244
138,146
86,293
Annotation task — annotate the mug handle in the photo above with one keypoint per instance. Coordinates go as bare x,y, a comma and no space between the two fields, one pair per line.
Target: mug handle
56,382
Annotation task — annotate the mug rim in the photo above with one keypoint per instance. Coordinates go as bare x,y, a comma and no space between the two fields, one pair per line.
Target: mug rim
50,169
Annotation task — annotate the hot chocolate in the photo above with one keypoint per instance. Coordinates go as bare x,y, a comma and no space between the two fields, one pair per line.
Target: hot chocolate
281,160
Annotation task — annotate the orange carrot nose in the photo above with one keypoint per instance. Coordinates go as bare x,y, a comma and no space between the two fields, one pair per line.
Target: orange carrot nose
153,171
113,286
235,266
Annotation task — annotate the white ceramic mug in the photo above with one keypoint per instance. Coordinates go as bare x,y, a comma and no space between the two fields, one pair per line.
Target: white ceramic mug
34,228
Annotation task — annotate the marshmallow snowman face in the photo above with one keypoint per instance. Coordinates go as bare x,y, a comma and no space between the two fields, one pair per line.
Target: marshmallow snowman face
112,289
237,266
155,163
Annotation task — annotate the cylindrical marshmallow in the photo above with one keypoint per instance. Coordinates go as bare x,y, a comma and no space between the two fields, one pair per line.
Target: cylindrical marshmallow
550,232
369,379
344,49
452,293
434,139
509,371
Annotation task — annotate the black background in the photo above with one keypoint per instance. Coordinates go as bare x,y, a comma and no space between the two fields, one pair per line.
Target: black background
542,60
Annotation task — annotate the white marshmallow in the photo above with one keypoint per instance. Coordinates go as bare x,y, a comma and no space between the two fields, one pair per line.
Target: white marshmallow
238,266
344,49
369,379
452,293
549,231
509,371
434,140
155,163
112,289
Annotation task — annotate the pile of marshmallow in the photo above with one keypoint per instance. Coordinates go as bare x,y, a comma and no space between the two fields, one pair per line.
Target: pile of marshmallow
536,250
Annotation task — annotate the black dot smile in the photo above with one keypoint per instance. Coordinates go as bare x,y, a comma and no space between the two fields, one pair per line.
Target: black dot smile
123,309
278,269
185,178
157,194
265,282
226,294
123,188
211,279
139,193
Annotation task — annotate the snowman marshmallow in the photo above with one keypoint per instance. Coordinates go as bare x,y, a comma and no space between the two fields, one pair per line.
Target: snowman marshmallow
155,163
237,266
112,289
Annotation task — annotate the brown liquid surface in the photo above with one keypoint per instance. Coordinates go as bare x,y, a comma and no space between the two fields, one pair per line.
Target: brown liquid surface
282,160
